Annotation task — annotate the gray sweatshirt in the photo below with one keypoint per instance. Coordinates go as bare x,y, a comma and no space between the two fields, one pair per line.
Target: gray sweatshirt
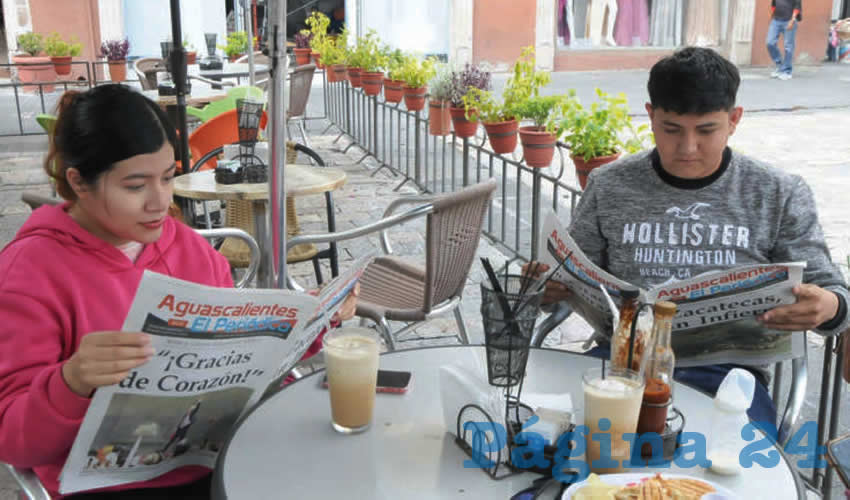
644,226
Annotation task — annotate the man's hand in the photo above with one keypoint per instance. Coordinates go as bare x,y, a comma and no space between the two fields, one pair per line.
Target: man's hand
814,306
105,358
791,24
349,305
555,292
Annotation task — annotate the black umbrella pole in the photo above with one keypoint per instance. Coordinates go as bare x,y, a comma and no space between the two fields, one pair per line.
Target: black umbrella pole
178,71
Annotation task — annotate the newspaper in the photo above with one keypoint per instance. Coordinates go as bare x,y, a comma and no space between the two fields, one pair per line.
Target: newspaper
217,350
715,320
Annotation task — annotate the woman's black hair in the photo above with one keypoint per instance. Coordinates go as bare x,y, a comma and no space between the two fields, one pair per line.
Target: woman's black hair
102,126
693,80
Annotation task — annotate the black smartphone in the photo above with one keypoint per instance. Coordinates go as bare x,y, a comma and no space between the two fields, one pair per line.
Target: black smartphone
388,381
838,454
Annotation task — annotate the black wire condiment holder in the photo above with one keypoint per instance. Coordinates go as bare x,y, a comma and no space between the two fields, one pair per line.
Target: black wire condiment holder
249,113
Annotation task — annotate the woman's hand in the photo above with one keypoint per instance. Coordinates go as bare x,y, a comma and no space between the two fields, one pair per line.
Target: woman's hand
555,292
349,305
105,358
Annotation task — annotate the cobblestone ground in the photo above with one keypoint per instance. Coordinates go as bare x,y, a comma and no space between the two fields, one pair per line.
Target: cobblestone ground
808,143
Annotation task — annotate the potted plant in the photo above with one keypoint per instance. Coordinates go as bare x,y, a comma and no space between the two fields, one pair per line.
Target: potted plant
372,64
237,44
333,57
318,24
439,97
191,53
415,72
355,58
538,140
470,77
393,83
302,47
599,134
33,67
61,52
482,105
115,52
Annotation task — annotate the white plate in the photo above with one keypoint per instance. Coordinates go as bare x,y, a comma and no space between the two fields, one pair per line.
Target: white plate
624,479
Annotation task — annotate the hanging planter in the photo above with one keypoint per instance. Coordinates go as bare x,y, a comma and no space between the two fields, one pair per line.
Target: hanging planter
354,77
502,136
191,57
414,98
463,127
317,59
62,64
117,71
393,90
439,119
372,82
302,56
584,167
338,72
538,146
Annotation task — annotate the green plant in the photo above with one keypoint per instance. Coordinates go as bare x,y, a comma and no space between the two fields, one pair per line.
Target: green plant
366,54
524,82
55,46
393,59
31,43
188,45
237,44
603,129
440,87
318,24
416,72
482,105
547,112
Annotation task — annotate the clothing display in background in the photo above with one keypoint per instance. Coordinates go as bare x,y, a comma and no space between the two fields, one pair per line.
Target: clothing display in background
603,14
566,24
702,25
632,28
572,20
666,23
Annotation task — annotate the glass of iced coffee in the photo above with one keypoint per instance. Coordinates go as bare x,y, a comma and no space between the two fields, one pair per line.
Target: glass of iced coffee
614,395
351,355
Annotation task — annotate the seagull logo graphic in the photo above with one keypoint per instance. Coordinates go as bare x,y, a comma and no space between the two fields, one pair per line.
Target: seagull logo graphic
688,213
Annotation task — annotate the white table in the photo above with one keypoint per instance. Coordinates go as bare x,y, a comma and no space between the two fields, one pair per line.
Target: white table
286,447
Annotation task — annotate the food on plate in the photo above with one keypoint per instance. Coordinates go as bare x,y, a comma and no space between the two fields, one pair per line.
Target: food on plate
658,488
595,489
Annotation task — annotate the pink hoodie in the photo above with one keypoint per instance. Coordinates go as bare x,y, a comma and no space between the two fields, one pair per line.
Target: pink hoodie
59,282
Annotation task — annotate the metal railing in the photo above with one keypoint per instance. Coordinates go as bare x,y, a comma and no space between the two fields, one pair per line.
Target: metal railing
399,140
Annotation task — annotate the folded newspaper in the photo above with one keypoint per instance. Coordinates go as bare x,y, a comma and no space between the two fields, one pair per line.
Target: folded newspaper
716,313
217,350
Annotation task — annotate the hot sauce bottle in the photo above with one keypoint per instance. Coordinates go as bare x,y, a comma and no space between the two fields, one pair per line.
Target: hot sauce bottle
657,393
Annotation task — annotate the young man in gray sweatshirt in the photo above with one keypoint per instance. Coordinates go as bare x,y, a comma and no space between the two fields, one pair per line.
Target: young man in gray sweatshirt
738,210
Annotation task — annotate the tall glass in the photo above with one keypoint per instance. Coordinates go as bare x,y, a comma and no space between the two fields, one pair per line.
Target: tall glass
616,397
351,355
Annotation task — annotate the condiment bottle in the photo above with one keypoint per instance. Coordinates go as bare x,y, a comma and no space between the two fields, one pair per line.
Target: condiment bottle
620,340
658,391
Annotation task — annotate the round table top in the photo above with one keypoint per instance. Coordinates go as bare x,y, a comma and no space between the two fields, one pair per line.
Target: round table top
201,94
300,180
287,444
230,69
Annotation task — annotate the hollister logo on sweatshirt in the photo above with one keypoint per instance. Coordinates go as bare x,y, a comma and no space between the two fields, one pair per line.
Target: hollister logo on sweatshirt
688,213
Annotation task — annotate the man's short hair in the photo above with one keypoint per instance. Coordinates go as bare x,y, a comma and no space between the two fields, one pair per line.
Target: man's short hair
693,80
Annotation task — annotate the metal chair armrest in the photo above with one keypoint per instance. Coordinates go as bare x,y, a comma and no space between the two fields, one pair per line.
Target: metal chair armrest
232,232
393,206
796,395
559,314
336,237
212,82
29,483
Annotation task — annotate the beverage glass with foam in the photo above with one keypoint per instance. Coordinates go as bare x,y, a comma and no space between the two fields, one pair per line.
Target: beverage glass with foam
617,397
351,355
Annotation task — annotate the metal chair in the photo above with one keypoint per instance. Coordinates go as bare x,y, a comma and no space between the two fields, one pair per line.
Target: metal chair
392,289
28,482
300,83
146,69
793,403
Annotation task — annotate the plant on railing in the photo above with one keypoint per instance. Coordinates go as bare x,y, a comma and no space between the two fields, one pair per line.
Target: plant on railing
237,44
440,90
55,46
303,39
30,43
115,50
332,52
318,24
604,129
524,82
415,71
440,86
393,59
482,105
470,77
538,141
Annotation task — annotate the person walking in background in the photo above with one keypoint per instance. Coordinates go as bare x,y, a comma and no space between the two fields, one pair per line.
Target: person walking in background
784,16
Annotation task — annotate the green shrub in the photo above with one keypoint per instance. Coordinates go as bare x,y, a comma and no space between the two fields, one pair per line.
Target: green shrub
30,43
55,46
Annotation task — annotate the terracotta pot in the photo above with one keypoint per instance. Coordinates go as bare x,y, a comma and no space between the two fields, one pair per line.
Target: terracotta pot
317,58
117,71
502,136
354,77
584,167
191,57
414,98
393,90
233,58
338,72
35,69
372,82
439,119
538,146
302,56
62,64
463,127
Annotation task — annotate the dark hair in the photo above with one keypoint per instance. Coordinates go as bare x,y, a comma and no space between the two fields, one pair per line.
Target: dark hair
102,126
693,80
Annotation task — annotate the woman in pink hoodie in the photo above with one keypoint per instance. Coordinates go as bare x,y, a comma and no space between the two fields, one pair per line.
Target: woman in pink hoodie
70,274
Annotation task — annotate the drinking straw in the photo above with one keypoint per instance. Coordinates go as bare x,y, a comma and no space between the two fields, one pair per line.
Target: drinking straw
500,296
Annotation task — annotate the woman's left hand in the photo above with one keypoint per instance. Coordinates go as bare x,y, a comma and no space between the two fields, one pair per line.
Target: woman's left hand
349,305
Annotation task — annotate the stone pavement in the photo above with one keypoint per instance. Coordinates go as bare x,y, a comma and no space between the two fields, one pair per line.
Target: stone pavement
811,143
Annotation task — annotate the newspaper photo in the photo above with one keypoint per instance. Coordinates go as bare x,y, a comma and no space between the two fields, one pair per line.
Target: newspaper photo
716,313
216,351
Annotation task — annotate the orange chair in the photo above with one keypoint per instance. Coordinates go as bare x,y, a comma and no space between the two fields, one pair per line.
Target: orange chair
217,132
